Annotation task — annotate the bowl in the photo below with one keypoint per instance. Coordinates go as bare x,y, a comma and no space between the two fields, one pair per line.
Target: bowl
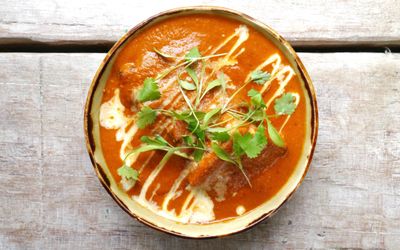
219,228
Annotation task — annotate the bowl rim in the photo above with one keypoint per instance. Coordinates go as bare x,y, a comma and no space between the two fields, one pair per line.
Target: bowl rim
87,126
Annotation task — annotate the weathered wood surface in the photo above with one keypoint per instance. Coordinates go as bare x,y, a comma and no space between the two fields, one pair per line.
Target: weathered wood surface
304,23
51,198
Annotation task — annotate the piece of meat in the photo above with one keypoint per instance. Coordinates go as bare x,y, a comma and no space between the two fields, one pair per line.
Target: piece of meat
210,161
207,166
221,178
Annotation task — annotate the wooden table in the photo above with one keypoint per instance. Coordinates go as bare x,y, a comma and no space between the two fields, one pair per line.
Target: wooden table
52,199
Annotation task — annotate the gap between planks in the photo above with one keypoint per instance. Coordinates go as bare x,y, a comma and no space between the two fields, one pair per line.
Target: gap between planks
105,46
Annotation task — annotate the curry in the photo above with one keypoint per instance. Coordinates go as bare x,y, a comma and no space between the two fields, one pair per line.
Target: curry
202,118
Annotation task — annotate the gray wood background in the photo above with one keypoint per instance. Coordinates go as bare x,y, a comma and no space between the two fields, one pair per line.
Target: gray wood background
51,198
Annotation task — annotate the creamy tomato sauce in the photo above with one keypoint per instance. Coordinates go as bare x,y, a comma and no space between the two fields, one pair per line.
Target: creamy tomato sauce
137,61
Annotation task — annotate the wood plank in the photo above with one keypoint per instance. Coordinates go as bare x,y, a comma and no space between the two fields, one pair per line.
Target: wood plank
52,199
304,23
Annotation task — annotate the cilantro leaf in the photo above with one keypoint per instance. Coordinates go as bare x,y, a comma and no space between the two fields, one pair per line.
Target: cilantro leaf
186,85
249,144
193,55
220,136
240,142
256,98
146,116
274,135
259,76
149,91
285,105
128,173
257,143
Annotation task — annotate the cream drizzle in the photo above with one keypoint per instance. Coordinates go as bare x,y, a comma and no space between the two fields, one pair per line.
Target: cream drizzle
175,186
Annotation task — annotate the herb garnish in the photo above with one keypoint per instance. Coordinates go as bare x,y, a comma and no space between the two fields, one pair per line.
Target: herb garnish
193,55
249,144
285,105
163,54
146,116
149,91
206,129
259,76
128,173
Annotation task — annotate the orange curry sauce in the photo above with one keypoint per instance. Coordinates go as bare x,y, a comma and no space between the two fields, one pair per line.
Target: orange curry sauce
178,35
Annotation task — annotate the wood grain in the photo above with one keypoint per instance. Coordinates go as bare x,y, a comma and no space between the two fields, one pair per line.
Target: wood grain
304,23
51,198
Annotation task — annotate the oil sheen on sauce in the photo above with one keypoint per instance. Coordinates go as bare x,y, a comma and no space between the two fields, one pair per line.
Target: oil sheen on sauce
163,187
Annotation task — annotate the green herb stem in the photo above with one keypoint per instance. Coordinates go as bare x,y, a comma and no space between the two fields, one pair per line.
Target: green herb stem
190,107
233,96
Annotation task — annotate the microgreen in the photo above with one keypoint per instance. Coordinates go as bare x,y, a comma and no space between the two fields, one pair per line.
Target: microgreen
220,81
220,136
274,135
162,54
221,153
186,85
193,75
158,140
210,115
193,55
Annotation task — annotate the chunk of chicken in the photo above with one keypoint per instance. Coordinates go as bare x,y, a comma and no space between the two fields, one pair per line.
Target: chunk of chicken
214,174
